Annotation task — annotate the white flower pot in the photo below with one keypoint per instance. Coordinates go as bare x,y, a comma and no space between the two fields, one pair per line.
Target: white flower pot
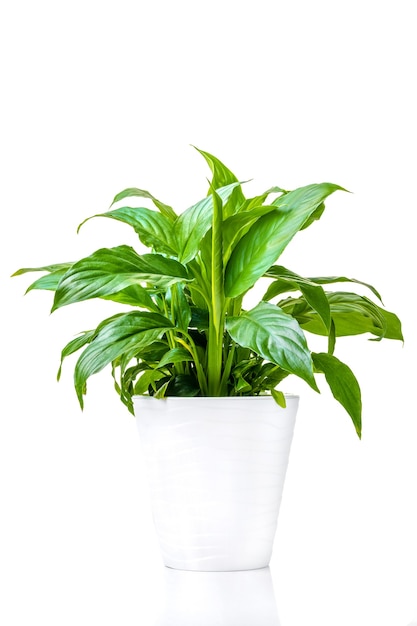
216,470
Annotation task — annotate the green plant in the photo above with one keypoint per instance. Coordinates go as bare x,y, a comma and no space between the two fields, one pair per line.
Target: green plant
188,333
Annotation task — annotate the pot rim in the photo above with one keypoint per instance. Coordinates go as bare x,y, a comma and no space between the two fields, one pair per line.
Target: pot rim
289,396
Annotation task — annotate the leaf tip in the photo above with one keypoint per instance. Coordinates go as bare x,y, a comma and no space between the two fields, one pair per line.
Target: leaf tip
80,398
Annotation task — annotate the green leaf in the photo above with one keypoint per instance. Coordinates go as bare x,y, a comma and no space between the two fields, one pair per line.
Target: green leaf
74,345
199,318
125,385
192,225
352,315
147,379
161,391
45,268
222,177
134,295
331,343
175,355
183,385
180,306
155,230
279,398
49,282
242,386
343,385
131,192
257,201
276,190
287,281
126,335
269,236
236,226
393,328
252,203
328,280
110,270
275,336
316,215
153,353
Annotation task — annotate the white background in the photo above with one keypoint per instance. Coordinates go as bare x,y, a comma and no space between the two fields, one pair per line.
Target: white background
97,97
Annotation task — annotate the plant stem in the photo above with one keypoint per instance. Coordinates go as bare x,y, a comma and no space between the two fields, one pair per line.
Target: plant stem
227,370
217,304
202,381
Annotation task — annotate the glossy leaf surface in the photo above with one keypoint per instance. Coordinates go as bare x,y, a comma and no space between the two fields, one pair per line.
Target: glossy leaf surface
269,236
193,224
109,270
275,336
155,230
313,293
125,334
134,192
343,385
222,177
352,315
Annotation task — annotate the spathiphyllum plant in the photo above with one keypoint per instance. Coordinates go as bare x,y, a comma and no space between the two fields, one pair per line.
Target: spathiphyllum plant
187,331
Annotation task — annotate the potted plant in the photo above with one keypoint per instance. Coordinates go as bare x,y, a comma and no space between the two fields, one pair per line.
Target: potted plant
200,369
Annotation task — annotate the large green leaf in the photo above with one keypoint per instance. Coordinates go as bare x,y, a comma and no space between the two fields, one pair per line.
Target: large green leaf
328,280
124,334
275,336
222,176
236,226
288,281
343,385
270,234
155,230
109,270
133,192
192,225
352,315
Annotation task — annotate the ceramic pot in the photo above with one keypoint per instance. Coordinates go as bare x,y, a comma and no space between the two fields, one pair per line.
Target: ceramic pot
216,471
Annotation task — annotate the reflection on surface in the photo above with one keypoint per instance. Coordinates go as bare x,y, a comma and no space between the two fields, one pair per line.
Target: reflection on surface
219,599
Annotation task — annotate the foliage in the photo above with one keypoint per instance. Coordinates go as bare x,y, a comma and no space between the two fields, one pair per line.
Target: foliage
188,333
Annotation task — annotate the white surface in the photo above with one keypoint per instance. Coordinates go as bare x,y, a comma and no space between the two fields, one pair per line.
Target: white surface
219,599
100,96
216,469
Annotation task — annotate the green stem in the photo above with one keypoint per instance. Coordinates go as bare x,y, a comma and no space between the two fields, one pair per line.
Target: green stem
227,370
202,380
217,304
